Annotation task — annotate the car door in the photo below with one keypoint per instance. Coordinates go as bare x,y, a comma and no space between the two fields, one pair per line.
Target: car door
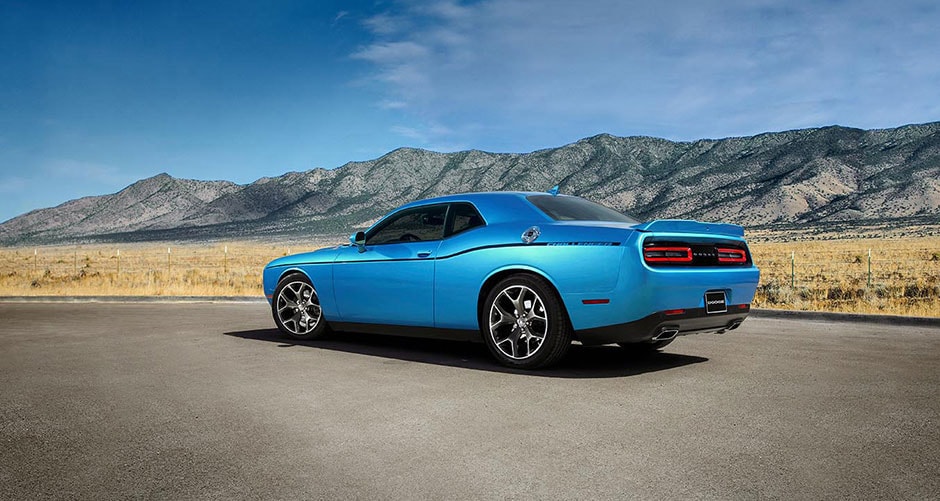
391,282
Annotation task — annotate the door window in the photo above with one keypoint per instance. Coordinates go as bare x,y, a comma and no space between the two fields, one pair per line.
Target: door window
413,225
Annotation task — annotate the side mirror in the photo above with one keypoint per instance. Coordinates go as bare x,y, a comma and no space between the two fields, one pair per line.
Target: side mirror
359,240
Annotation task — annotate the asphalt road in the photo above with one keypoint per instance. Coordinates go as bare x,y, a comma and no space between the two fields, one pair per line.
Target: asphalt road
206,401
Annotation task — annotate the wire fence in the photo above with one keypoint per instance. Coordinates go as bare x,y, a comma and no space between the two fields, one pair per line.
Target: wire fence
886,277
870,279
138,270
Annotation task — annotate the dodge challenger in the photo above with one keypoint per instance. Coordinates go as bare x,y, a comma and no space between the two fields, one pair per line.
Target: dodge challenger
525,273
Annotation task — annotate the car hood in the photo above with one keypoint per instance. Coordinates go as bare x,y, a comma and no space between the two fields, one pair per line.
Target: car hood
324,255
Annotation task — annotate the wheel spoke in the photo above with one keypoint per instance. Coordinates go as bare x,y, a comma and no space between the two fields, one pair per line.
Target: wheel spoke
296,319
517,302
514,341
504,317
533,313
502,339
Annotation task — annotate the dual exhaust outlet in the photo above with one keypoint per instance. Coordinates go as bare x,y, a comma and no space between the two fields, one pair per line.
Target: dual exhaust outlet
668,332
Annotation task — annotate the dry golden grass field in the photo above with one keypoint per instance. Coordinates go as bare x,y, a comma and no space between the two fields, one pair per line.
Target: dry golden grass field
899,276
826,275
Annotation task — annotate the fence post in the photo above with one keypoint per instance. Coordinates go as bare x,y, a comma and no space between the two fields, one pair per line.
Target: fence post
35,257
119,263
225,261
167,264
792,269
869,268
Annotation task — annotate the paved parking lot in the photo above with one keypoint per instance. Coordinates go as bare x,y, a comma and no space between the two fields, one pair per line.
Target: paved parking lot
206,401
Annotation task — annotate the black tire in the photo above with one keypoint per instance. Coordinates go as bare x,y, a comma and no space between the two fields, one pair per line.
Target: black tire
296,308
524,323
648,347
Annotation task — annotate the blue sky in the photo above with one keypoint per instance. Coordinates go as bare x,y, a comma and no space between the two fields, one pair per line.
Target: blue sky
96,95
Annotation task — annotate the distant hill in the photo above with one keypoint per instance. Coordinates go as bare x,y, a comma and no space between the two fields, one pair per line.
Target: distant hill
823,176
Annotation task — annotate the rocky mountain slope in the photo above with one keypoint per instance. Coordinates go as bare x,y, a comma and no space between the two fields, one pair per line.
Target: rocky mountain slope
822,176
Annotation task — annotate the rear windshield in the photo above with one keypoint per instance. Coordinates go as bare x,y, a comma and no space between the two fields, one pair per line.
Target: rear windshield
566,208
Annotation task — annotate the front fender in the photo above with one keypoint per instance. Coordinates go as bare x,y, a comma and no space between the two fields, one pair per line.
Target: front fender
319,274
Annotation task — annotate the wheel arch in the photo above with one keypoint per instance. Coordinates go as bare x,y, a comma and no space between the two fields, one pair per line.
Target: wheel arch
291,271
502,273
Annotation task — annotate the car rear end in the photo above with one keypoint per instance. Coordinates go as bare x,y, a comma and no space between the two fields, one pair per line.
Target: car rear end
676,278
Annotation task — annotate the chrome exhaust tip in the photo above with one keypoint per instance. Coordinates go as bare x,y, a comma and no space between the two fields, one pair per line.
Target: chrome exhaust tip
666,333
732,326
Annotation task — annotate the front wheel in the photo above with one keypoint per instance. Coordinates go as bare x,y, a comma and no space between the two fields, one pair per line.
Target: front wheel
524,323
296,308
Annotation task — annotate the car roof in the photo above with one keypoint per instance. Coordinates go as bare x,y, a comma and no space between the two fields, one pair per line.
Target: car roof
474,196
494,206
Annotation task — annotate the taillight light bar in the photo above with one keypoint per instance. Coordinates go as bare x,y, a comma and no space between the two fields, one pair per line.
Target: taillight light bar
667,254
726,255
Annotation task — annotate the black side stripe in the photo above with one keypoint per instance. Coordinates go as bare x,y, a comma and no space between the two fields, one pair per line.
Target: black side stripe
483,247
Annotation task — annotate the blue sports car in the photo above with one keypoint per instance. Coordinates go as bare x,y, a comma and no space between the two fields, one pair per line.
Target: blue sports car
526,273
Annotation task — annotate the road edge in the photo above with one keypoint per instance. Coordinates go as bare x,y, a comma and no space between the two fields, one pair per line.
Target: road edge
828,316
755,312
131,299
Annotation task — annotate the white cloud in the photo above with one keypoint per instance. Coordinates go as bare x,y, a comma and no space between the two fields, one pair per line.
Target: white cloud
679,69
386,24
434,136
389,53
389,104
410,133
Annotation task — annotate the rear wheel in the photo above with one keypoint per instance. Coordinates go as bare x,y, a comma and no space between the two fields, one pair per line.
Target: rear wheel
296,308
524,323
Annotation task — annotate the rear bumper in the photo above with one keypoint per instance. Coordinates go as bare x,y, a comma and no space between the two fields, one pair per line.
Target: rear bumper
653,326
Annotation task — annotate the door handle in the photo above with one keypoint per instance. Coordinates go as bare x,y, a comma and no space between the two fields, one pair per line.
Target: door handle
424,254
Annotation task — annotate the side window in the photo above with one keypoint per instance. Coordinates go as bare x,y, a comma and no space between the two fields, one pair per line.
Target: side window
465,217
413,225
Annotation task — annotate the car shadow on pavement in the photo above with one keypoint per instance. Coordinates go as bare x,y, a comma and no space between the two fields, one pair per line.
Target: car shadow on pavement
581,361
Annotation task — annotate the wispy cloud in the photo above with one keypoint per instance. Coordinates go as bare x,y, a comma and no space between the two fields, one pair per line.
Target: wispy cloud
683,70
434,137
340,15
386,24
87,172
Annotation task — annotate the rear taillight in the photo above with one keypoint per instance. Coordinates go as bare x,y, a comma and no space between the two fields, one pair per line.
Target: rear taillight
667,254
726,255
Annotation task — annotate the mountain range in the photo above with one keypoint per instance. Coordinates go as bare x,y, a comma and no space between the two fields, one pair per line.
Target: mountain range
810,177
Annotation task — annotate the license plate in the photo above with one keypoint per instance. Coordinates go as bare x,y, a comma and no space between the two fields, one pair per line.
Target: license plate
715,302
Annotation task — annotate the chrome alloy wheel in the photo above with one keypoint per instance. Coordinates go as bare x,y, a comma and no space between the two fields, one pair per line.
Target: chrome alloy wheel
518,323
298,308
